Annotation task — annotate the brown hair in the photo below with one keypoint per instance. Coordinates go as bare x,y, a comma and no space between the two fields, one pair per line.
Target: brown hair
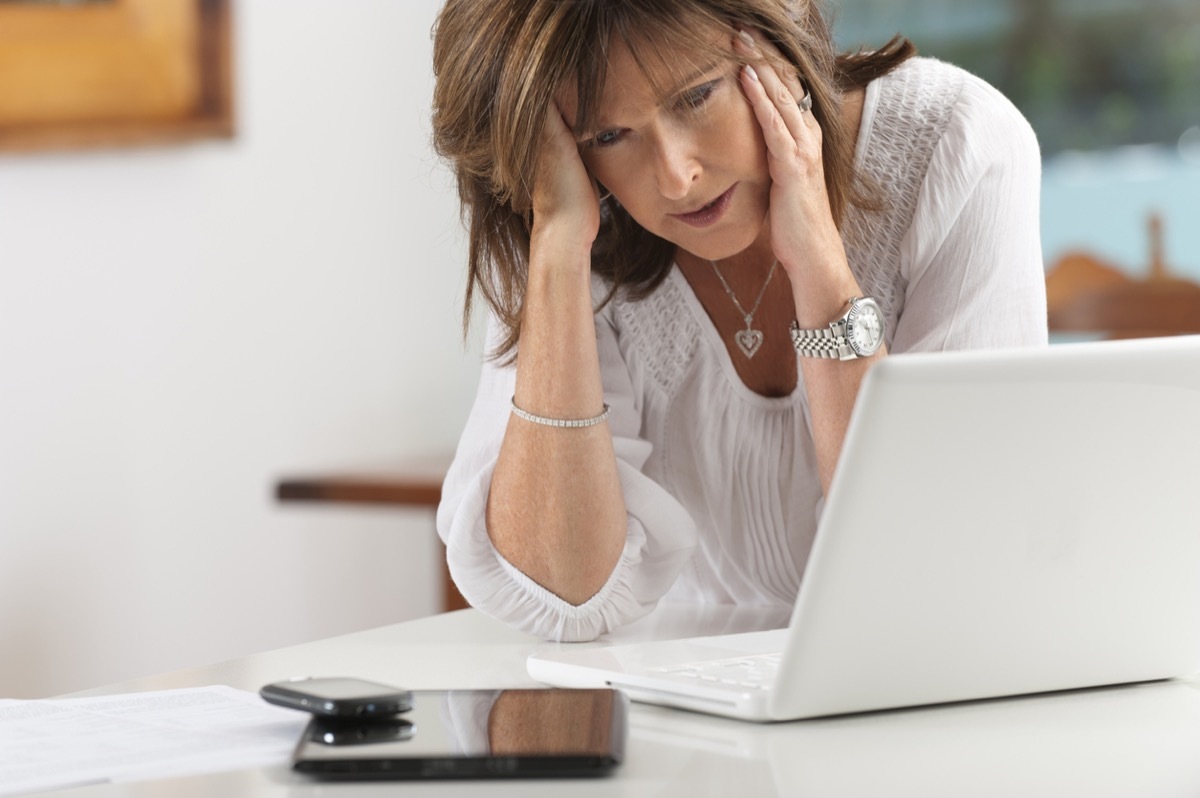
498,64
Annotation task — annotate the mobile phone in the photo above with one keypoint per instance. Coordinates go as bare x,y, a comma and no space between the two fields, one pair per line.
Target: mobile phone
341,697
475,734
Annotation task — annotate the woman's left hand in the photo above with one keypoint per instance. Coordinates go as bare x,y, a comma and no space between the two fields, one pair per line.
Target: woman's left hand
804,236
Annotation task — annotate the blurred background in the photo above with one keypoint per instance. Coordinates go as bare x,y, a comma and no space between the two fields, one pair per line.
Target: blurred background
1112,88
183,322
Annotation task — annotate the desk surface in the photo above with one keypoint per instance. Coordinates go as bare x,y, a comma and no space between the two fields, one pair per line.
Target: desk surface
1142,740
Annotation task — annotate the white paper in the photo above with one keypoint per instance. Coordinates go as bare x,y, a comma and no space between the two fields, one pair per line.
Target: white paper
59,743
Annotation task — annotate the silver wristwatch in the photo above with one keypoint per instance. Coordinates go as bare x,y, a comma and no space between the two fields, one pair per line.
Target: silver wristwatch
856,333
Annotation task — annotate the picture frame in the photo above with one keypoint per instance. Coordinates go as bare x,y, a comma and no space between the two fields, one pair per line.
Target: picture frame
83,74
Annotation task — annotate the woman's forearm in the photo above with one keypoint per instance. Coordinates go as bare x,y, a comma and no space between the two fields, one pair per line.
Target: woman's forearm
832,385
555,508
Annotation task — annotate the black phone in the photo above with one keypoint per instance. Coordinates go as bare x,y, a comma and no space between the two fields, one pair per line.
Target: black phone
339,696
474,734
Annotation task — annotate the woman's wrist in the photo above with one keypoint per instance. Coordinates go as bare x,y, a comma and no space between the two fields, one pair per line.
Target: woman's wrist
558,246
820,290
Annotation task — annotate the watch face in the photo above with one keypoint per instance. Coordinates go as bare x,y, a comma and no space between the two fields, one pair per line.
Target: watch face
864,327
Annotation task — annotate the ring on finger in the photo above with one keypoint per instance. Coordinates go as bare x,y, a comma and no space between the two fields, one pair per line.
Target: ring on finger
806,101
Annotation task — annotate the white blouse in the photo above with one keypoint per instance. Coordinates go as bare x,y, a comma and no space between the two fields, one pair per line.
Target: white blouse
721,483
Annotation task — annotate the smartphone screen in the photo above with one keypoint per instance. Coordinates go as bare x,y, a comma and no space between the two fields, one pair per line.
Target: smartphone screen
474,734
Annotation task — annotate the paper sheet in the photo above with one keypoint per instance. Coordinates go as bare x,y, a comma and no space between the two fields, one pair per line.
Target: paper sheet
58,743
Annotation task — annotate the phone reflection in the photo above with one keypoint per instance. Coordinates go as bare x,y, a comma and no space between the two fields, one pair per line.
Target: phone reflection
354,731
548,722
535,722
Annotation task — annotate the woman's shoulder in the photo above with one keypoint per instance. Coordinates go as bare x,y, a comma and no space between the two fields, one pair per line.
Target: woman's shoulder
929,128
924,99
658,335
932,122
924,84
625,308
615,301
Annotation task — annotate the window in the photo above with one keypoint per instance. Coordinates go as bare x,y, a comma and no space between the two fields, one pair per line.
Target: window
1088,74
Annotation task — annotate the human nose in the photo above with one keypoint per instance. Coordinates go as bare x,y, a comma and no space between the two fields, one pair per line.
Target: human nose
675,166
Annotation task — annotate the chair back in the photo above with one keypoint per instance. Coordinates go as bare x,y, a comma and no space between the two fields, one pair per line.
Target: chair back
1087,295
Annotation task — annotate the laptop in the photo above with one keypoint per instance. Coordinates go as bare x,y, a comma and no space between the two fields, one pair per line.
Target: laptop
1000,523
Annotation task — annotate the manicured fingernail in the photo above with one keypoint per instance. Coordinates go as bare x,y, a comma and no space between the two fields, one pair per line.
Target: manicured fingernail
750,73
746,39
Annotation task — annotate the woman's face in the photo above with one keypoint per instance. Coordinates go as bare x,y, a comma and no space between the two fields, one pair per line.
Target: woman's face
688,162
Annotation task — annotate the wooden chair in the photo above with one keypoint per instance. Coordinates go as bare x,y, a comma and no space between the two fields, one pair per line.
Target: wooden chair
411,483
1087,295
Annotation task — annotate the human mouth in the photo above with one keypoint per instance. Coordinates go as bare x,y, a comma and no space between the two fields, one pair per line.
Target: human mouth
707,214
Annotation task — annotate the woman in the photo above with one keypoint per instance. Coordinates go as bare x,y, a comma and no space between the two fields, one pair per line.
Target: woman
669,203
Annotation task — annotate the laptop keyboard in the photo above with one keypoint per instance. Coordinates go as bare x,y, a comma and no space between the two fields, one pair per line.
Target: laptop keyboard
754,672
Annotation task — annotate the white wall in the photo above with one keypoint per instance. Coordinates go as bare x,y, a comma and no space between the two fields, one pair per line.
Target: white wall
178,326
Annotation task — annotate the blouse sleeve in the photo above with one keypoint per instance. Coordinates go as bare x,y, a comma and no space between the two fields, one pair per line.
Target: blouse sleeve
972,258
648,564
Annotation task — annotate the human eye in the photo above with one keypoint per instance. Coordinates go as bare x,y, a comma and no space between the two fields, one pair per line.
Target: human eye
694,98
605,138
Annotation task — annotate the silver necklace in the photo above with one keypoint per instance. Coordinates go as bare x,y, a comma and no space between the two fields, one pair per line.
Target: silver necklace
749,339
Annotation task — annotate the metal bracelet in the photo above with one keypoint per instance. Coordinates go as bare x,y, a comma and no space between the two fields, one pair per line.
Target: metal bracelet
559,422
818,343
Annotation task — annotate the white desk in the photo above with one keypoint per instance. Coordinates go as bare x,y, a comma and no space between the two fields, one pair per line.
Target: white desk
1142,740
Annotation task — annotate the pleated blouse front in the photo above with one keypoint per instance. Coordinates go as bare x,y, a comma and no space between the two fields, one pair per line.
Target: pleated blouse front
723,453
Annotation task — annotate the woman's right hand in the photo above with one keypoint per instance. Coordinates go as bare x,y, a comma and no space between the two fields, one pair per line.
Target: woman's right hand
566,204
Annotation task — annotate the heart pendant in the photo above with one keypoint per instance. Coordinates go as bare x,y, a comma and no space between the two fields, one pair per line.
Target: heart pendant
748,341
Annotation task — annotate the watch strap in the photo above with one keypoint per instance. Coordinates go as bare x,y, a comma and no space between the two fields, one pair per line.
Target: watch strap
827,342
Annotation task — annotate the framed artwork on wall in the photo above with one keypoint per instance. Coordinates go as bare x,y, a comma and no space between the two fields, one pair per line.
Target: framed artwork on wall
99,73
